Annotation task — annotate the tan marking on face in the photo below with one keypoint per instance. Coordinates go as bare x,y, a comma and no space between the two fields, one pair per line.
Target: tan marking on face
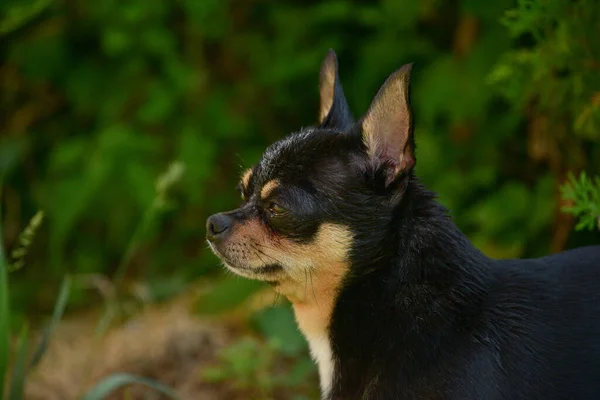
311,280
313,272
246,178
313,306
313,302
268,188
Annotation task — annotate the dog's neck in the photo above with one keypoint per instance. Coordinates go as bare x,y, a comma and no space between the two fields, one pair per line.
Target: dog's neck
429,283
429,263
313,300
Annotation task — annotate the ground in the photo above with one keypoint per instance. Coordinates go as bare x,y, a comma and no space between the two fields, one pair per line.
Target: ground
167,342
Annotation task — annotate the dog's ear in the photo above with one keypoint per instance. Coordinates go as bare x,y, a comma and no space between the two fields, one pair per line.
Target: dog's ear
387,128
334,111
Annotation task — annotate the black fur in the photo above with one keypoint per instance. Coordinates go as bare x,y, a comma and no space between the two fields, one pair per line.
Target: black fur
423,314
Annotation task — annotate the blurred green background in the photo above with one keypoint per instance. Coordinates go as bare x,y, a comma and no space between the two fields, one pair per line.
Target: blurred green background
99,98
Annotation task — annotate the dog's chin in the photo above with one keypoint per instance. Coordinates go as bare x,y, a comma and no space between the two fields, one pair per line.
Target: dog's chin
268,273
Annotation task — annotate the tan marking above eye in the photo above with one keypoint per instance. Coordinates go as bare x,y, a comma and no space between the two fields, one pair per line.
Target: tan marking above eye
268,188
316,273
246,180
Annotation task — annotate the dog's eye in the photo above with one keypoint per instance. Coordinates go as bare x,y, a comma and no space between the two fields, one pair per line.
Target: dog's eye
276,210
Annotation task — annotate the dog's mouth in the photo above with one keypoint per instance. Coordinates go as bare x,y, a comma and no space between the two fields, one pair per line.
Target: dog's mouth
269,272
264,270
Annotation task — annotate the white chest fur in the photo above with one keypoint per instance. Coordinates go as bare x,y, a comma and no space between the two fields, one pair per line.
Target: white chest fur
321,353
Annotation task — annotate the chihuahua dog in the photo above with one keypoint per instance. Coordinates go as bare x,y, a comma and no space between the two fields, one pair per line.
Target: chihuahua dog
393,299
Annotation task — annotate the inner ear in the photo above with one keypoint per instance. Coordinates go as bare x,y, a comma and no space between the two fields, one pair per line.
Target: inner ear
334,111
387,127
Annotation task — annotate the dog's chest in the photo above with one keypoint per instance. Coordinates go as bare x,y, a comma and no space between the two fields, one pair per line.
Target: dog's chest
320,350
313,321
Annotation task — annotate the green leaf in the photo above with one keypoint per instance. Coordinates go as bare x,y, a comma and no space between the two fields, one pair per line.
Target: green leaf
584,192
159,104
11,151
227,294
278,325
116,41
17,384
17,16
214,374
116,381
59,309
301,371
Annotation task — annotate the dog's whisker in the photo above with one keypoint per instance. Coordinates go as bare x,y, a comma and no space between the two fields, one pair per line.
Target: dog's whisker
312,285
267,255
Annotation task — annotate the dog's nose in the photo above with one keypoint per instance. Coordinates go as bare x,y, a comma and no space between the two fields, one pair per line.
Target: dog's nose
218,226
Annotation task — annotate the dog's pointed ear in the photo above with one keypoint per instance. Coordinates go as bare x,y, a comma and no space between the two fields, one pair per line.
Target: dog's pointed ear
387,127
334,111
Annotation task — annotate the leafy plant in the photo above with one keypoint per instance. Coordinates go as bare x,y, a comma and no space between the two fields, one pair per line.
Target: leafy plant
252,366
99,96
565,89
584,195
161,203
246,364
87,131
264,366
22,363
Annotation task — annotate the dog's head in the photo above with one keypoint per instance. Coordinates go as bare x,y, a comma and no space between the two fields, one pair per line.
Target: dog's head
322,198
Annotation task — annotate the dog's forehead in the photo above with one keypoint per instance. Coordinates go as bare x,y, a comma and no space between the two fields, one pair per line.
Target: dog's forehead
295,156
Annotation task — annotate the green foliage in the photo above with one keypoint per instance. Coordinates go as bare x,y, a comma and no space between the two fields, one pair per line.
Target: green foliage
18,14
246,364
254,367
23,363
261,367
278,325
99,97
4,312
59,310
21,366
584,195
105,95
110,384
566,33
17,384
161,203
226,294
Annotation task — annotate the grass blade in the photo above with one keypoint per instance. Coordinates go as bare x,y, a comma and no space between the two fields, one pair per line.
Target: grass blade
59,309
116,381
4,310
17,384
